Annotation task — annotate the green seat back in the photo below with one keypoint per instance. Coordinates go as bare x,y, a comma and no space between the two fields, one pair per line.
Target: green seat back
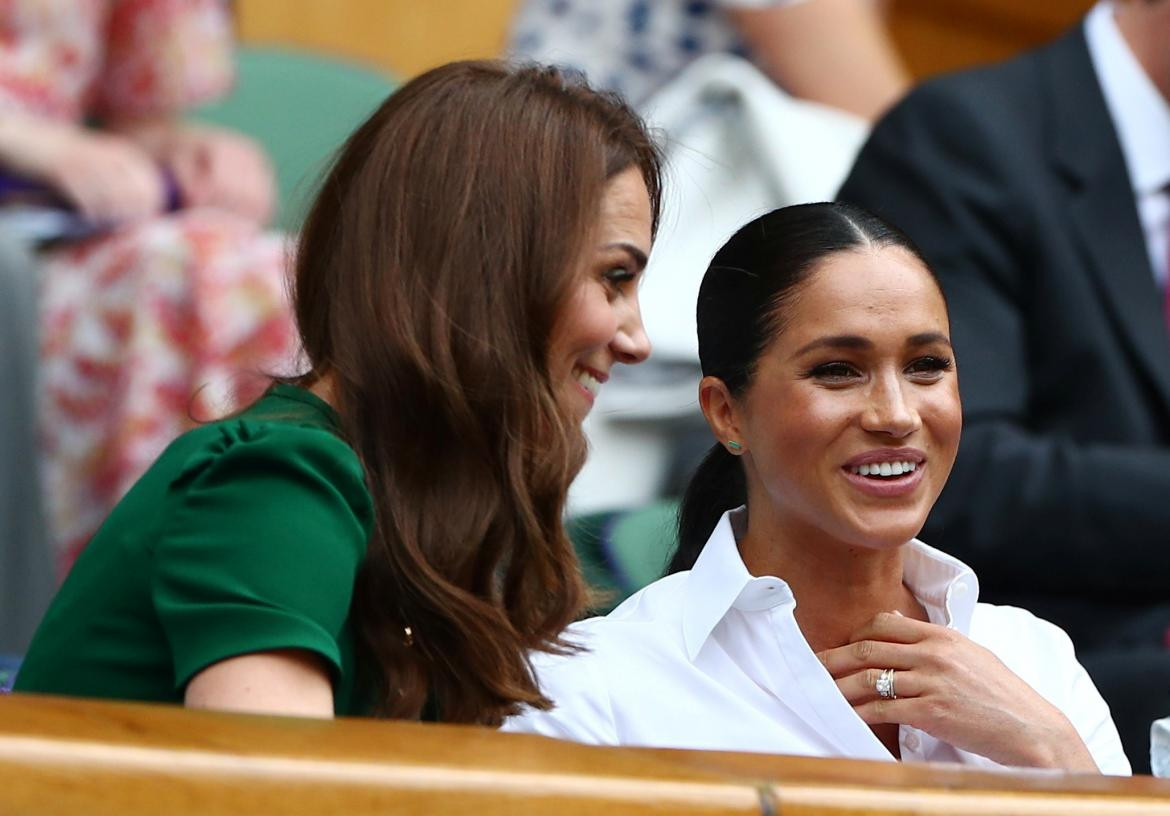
623,551
300,106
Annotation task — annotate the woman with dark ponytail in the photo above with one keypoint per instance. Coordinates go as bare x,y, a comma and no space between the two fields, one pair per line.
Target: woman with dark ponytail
801,615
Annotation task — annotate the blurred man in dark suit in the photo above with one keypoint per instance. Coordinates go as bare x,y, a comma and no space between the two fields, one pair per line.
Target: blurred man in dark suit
1039,189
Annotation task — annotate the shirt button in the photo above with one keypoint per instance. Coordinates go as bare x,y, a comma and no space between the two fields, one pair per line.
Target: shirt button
911,742
960,588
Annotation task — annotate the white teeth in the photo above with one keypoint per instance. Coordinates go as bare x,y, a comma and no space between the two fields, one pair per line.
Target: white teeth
886,469
591,383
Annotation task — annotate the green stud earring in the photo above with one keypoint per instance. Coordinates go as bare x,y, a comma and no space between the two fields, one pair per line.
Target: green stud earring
735,446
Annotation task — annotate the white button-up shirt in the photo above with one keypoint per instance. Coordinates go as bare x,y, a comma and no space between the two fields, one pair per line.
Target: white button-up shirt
713,659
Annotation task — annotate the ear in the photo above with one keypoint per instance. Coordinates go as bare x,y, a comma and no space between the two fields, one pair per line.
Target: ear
721,411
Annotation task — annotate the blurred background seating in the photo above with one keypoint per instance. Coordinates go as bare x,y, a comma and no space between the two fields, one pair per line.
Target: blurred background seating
300,105
405,37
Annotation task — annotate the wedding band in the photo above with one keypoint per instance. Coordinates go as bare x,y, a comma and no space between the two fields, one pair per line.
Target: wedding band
885,685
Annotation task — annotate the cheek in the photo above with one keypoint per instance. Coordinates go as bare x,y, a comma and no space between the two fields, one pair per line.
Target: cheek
590,321
816,420
802,435
943,412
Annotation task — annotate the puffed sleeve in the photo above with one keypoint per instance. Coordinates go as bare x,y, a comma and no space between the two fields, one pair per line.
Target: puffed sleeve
164,56
264,548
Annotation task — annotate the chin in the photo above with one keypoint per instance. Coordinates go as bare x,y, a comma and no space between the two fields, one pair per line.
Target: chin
887,533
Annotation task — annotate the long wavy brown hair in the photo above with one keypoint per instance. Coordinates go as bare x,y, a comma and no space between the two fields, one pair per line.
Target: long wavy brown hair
431,271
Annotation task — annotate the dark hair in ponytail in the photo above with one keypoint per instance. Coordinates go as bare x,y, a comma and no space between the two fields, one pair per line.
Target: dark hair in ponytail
741,307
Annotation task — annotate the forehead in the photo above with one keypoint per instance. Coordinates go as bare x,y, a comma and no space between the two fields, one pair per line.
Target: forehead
866,291
625,209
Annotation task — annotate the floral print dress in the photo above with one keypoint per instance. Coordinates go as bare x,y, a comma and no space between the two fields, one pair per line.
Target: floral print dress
160,323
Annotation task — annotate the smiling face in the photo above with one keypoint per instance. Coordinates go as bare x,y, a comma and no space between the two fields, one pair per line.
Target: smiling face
851,423
602,323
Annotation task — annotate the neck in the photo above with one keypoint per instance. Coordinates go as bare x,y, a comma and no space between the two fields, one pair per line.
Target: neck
1145,26
838,586
323,388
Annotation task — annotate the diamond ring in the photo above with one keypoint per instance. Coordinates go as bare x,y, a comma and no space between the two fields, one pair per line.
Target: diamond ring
885,685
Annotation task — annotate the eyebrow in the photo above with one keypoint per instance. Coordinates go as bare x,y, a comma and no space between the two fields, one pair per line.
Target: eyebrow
856,342
638,255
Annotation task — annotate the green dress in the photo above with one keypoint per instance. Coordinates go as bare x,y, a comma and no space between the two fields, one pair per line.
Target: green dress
246,535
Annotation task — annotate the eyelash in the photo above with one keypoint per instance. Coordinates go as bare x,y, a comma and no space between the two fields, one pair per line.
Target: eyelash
931,364
618,277
838,371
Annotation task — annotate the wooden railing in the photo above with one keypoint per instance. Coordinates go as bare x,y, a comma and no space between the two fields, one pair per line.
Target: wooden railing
946,35
72,756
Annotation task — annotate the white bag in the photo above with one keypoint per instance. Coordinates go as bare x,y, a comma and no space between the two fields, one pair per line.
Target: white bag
736,146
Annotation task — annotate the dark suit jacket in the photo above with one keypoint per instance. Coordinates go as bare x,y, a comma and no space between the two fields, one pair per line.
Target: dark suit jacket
1012,182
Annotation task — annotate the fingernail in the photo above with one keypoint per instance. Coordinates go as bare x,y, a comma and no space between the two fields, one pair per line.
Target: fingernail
899,614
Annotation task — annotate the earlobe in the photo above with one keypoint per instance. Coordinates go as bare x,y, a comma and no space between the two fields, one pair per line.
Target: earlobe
720,410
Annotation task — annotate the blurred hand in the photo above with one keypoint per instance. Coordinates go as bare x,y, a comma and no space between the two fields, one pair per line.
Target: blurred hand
956,691
219,168
107,177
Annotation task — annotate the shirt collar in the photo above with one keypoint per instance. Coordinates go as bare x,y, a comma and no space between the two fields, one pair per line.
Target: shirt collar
943,584
1141,115
719,582
715,582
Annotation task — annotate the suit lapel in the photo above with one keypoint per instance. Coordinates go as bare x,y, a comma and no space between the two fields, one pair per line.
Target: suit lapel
1103,214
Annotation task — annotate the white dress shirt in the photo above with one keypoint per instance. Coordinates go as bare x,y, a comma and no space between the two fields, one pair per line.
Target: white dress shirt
713,659
1141,117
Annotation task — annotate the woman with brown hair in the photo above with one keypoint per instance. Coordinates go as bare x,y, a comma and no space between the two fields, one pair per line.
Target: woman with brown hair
386,530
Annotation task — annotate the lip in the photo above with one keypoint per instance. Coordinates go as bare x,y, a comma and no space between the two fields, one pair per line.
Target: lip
888,488
585,393
600,376
886,455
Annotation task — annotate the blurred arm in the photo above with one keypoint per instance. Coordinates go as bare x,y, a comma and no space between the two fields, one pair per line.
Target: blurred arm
836,52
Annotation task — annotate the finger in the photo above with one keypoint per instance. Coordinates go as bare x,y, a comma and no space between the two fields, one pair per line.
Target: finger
135,188
87,200
190,174
878,711
894,628
868,654
246,183
861,687
97,194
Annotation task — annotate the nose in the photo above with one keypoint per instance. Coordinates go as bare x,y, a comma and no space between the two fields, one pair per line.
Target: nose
889,411
631,344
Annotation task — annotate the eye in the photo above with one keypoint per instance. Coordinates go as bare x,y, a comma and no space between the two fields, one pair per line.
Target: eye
619,276
834,373
619,279
929,368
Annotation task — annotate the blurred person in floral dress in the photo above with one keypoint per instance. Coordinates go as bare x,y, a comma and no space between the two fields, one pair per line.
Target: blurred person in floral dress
159,319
